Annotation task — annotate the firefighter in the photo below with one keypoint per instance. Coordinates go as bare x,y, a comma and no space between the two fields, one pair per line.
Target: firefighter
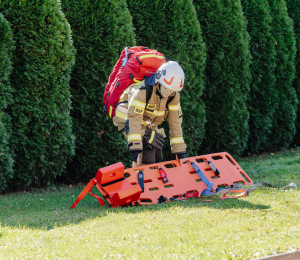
144,106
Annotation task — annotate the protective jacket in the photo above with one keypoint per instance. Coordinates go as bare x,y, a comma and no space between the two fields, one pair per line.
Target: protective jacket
134,113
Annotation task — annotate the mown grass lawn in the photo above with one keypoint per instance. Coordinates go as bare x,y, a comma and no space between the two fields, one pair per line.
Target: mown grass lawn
41,225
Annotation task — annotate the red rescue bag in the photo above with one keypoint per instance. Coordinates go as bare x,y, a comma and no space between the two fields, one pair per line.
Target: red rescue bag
133,65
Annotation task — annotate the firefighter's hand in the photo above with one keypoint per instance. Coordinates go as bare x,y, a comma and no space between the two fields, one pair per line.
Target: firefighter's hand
181,161
135,160
134,164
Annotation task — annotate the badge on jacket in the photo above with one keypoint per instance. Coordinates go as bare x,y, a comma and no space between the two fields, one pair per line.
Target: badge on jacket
151,106
138,110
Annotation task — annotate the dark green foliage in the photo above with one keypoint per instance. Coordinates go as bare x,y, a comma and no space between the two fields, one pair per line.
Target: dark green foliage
293,7
262,99
284,119
6,48
42,135
171,27
101,29
228,75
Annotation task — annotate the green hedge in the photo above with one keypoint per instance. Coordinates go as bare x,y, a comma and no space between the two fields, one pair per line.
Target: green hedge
293,7
172,28
283,129
6,49
227,75
42,128
262,95
101,30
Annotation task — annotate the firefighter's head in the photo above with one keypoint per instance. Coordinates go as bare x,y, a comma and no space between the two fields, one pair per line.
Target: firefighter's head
170,76
165,92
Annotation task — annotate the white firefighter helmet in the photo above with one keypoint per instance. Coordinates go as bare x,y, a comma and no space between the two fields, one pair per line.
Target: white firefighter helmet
170,75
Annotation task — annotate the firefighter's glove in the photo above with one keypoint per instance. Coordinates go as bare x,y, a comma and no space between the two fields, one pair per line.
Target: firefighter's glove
152,138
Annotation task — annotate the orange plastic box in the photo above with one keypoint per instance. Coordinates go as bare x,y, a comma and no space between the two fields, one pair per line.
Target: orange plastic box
113,186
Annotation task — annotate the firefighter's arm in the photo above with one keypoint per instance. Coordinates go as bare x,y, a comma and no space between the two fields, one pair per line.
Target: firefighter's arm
134,120
178,145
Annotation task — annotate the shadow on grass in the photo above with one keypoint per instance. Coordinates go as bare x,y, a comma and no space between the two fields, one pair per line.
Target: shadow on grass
52,209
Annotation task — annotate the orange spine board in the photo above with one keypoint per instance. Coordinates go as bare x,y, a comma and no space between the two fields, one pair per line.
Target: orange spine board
184,179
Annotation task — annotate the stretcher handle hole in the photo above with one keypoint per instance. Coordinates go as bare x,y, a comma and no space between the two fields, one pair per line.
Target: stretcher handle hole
192,191
198,180
177,196
133,183
215,177
169,186
241,182
245,177
192,172
152,189
126,175
208,169
170,165
200,160
229,159
218,157
146,181
222,186
138,170
153,167
146,200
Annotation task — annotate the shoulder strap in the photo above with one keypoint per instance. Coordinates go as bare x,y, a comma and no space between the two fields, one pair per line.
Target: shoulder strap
149,90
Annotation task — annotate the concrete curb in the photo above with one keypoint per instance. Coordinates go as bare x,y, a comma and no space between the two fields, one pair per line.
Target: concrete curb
285,256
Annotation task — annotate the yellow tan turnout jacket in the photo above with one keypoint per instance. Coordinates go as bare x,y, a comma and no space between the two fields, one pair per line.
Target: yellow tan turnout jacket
137,113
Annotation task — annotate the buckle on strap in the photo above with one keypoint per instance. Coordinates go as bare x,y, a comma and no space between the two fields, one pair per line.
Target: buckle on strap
148,123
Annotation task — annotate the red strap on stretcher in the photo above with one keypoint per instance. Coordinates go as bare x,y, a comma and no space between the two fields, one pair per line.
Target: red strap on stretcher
84,192
98,198
242,191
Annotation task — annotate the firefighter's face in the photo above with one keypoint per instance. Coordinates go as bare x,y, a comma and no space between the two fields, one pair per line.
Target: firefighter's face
165,92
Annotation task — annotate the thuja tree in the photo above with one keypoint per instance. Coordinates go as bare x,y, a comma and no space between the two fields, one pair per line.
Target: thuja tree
293,7
173,29
263,98
6,49
101,29
283,129
42,128
227,75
